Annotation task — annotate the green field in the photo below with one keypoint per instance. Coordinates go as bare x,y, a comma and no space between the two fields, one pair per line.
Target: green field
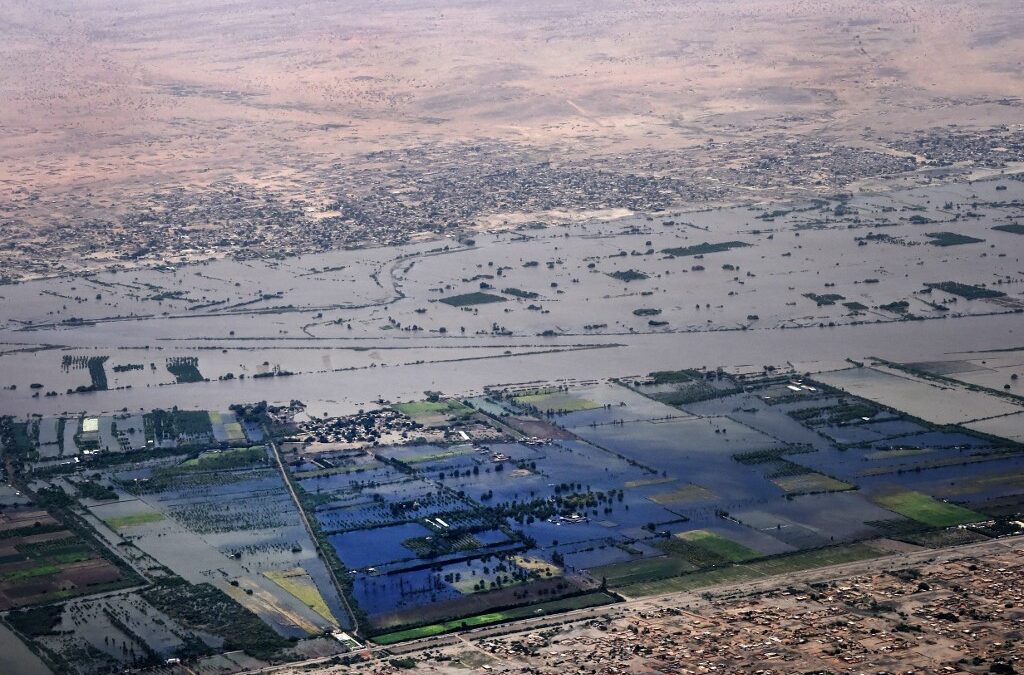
468,299
951,239
120,522
220,460
438,456
759,569
298,582
31,573
553,607
924,509
702,249
687,493
966,290
641,571
718,545
810,483
424,409
556,402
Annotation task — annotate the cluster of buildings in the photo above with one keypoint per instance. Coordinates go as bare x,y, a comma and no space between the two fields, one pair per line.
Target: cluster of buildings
959,613
393,197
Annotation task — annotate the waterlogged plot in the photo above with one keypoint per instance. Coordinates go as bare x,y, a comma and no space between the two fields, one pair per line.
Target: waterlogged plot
110,632
809,482
574,487
554,401
1010,427
937,402
225,516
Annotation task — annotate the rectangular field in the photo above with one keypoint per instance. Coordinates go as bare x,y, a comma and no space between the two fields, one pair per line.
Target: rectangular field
554,607
924,509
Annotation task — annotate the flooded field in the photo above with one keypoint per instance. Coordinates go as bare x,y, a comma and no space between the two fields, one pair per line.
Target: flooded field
237,463
729,286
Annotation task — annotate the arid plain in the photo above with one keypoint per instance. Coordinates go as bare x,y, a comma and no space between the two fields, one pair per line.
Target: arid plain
144,131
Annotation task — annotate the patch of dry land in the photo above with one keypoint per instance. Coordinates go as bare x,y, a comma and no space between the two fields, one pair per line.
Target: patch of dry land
145,132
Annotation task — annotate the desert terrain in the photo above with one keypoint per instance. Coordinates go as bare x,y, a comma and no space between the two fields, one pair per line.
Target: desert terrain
142,132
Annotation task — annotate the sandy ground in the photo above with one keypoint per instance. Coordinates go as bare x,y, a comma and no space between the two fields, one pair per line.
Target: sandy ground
107,103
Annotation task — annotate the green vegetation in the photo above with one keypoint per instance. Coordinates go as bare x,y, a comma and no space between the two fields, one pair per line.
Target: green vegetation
545,608
685,553
30,573
924,509
855,306
205,607
673,376
687,493
431,408
442,543
468,299
810,482
627,275
94,364
771,455
692,393
177,424
951,239
702,249
298,582
1012,228
14,437
121,522
897,306
839,415
519,293
184,368
717,545
90,489
824,298
210,468
758,569
966,290
37,621
556,402
225,460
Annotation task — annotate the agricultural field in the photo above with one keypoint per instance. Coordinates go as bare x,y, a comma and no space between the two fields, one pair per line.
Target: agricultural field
42,561
540,609
624,491
433,413
566,494
554,401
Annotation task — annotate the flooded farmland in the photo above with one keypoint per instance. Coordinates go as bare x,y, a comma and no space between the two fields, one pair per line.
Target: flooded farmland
356,447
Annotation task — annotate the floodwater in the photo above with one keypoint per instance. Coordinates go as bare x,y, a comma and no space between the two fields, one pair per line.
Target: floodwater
16,658
355,325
